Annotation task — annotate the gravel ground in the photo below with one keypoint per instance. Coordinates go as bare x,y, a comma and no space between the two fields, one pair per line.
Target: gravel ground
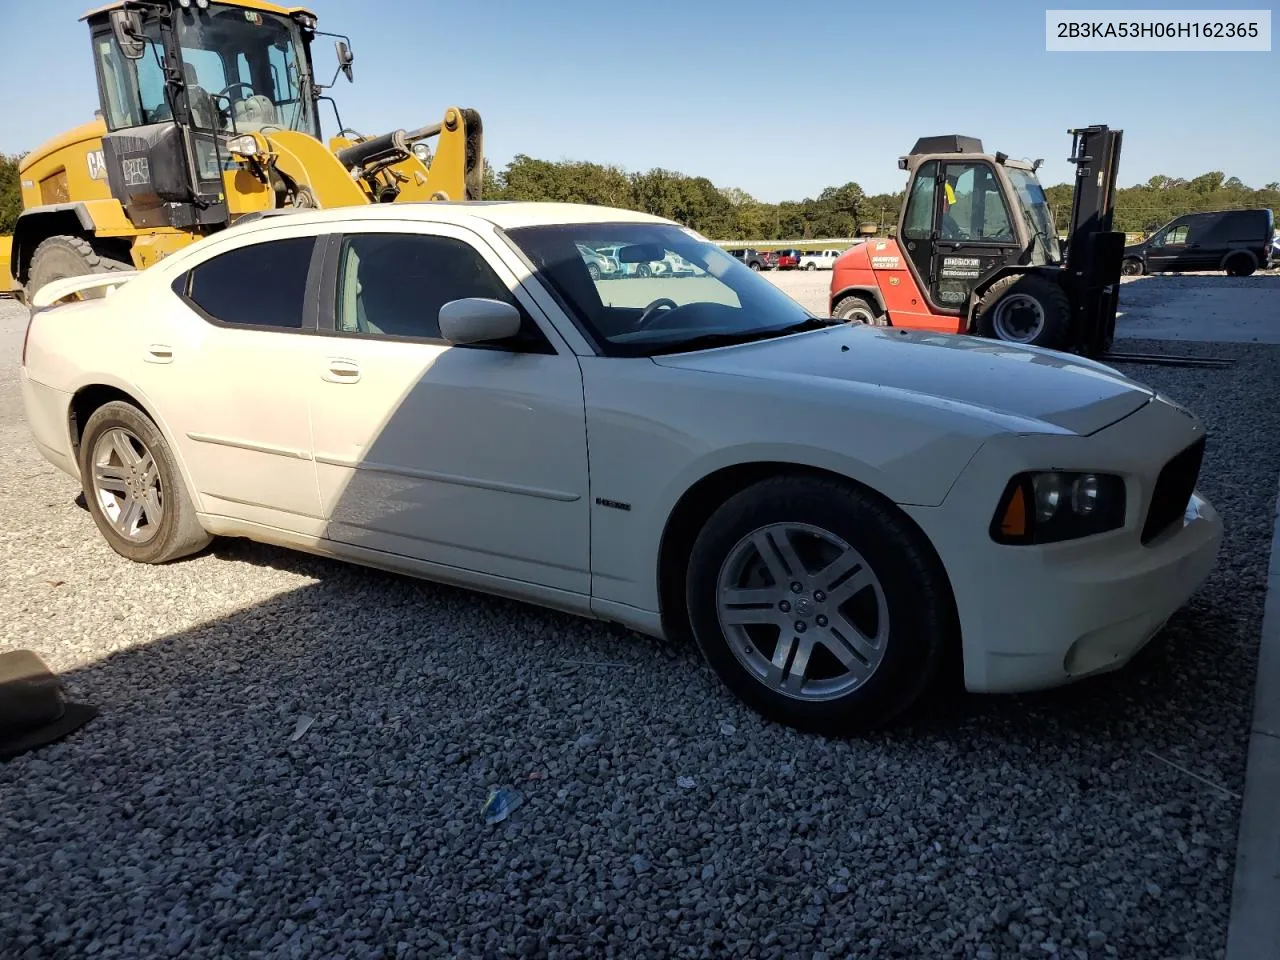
659,817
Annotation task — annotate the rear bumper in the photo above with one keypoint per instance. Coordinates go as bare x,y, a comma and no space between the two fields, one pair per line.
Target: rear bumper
1042,616
47,412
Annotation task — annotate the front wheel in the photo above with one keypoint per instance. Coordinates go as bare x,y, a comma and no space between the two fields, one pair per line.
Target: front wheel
1025,308
818,604
133,488
755,267
593,271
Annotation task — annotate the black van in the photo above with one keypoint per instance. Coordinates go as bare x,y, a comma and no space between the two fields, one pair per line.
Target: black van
1237,241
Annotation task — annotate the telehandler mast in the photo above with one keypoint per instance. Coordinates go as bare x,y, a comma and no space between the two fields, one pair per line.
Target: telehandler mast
210,112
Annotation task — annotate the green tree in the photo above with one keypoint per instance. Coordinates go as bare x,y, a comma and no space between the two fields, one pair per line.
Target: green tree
10,193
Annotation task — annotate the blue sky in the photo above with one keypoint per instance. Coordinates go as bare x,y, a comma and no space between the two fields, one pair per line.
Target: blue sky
779,105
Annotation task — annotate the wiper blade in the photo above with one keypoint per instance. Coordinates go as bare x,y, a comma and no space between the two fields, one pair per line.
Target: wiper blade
708,340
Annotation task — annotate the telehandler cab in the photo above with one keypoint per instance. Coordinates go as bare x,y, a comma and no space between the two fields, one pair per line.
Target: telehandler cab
210,112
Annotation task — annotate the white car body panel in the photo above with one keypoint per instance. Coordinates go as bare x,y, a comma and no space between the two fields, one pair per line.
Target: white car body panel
551,477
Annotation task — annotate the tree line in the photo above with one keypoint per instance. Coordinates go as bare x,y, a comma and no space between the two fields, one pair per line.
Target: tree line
727,213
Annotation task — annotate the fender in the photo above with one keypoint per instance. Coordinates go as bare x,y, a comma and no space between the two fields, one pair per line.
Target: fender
103,379
86,218
868,291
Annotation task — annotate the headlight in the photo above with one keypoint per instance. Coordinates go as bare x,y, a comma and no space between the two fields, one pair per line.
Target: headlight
1052,506
245,146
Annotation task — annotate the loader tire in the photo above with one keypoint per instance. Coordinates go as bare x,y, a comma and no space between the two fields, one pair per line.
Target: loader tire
1025,308
65,256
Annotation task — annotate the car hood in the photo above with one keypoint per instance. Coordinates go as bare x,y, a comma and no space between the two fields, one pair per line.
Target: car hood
1028,383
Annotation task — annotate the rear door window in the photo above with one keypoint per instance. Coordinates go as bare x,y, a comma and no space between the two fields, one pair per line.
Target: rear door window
260,285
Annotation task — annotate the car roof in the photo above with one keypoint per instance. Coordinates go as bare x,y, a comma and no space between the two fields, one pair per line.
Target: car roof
506,214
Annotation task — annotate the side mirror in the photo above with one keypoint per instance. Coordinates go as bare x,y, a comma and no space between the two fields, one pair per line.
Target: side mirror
127,27
345,58
478,320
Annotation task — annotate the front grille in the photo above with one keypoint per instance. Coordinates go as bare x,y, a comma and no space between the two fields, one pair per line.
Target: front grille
1173,489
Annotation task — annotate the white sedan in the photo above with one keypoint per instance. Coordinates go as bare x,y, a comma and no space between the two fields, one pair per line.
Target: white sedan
830,510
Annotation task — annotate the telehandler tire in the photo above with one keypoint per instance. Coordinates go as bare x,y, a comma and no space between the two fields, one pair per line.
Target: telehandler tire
1025,308
65,256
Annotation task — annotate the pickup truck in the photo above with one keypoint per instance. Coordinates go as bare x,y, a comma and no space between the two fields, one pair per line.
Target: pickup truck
788,259
753,258
818,259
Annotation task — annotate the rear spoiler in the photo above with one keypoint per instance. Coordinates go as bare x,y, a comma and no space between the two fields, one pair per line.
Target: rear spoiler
56,290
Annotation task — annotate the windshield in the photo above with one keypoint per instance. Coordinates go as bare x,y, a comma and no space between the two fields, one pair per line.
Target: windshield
1035,207
670,290
242,67
245,70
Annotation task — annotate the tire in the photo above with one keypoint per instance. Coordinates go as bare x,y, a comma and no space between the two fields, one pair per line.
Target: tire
65,256
593,271
1240,266
177,532
755,267
1025,308
1132,267
859,310
642,270
901,604
811,266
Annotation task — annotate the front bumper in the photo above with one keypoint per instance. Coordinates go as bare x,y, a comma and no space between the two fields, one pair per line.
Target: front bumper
1034,617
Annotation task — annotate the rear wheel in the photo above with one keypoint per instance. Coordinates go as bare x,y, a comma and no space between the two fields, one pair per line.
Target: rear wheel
66,256
643,270
817,604
858,310
811,266
133,488
1240,266
593,271
1132,267
1025,308
755,266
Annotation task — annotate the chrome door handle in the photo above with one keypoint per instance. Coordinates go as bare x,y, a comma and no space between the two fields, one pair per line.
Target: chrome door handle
340,370
159,353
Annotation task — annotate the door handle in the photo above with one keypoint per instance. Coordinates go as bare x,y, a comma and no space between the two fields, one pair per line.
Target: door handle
159,353
339,370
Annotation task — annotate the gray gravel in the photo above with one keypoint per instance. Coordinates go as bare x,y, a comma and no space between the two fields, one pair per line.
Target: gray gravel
658,817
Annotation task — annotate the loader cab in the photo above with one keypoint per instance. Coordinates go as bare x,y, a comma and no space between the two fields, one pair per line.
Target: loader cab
177,81
967,215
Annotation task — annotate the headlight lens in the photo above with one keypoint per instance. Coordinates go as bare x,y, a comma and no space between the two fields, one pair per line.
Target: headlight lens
245,145
1051,506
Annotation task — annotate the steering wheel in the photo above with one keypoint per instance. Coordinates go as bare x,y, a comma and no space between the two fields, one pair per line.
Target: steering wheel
225,91
645,319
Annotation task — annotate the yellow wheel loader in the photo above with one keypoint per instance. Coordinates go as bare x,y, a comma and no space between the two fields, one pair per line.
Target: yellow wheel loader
210,112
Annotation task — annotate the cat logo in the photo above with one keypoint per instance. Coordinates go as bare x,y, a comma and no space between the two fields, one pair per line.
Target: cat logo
97,165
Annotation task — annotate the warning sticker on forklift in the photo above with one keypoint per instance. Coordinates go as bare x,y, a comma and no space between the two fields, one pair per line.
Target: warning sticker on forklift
884,263
960,262
959,273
